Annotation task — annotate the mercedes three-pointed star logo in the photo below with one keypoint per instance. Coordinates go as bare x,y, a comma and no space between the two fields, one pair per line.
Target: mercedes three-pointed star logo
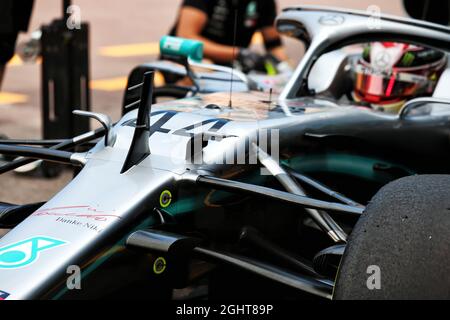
383,60
332,20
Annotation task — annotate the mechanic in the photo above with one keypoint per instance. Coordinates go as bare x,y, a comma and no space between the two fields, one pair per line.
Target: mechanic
14,17
213,23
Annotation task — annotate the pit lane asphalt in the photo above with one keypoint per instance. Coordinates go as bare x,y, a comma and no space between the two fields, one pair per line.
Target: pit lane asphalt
123,35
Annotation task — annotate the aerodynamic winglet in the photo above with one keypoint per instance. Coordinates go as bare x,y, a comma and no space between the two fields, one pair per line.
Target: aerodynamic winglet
140,149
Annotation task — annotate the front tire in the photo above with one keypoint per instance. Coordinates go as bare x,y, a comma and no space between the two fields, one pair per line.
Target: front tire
400,248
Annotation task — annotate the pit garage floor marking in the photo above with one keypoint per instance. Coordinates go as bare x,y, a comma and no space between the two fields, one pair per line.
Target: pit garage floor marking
15,61
131,50
8,98
119,83
111,84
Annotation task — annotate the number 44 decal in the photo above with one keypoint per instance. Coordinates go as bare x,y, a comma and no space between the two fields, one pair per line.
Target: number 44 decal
158,126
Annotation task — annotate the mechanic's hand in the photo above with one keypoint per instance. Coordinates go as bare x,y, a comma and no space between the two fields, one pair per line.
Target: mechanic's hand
250,61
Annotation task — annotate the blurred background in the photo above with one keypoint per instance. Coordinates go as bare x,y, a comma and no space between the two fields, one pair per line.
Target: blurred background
123,35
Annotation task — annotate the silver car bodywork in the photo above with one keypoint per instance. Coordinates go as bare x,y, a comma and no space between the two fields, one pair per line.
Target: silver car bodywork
100,202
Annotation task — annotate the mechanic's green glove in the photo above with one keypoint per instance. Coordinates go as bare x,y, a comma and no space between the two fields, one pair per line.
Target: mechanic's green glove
275,66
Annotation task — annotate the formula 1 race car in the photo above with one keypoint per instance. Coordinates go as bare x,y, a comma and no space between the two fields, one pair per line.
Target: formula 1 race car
314,190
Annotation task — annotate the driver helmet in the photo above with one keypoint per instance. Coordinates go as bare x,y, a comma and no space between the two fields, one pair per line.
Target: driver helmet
389,73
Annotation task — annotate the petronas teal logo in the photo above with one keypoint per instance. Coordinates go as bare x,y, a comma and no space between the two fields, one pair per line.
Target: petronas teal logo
251,9
24,253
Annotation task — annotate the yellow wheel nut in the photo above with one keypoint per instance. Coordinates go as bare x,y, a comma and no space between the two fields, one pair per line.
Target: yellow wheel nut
159,266
165,199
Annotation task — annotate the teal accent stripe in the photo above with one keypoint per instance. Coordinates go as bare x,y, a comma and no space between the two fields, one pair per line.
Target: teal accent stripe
353,165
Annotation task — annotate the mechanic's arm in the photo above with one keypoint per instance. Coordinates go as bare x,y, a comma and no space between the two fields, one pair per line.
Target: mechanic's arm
190,25
273,43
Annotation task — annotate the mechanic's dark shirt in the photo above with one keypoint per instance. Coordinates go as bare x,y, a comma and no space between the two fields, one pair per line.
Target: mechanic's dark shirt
14,15
252,15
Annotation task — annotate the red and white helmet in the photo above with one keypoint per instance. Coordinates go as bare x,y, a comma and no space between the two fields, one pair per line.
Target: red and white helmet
389,73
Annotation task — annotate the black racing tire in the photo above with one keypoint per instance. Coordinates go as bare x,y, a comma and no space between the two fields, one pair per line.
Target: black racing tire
405,232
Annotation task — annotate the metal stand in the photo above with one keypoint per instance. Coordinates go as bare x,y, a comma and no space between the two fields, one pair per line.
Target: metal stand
65,81
65,78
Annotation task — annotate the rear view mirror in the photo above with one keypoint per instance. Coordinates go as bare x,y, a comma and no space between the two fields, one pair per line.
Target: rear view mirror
425,107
